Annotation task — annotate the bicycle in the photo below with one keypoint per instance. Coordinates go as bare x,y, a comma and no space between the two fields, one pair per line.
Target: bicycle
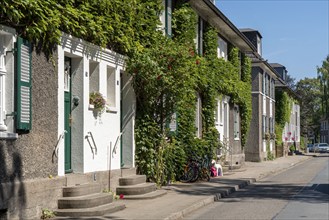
196,168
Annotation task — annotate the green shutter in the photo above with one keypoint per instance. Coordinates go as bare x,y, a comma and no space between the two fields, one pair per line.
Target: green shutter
23,85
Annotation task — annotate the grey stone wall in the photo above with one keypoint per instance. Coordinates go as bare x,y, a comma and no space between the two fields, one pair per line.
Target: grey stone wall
256,80
254,145
31,155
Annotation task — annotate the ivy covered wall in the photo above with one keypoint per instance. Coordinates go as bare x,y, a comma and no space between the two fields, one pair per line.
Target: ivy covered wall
282,114
167,76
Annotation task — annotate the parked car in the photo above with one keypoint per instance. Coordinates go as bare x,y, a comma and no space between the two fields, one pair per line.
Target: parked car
321,147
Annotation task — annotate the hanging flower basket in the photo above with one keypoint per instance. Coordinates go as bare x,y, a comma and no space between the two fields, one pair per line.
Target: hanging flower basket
97,100
273,136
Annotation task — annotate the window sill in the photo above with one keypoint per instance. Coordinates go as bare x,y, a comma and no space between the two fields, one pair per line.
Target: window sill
111,109
8,136
108,109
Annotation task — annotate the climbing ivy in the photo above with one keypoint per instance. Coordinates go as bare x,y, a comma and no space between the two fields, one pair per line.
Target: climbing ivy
121,25
282,113
167,76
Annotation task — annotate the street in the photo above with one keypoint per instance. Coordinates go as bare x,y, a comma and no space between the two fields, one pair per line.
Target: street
297,193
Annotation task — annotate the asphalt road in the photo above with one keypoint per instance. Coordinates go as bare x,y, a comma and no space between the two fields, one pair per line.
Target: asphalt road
301,192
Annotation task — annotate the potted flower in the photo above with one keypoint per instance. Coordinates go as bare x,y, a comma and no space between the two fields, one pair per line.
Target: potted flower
97,100
291,150
267,136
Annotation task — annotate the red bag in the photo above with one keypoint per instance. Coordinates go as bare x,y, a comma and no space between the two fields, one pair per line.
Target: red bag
213,171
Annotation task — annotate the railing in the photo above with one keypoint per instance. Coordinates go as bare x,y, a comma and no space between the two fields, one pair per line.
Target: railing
60,138
116,144
92,147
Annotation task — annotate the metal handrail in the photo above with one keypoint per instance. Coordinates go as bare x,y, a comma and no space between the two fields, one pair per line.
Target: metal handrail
91,147
61,137
116,144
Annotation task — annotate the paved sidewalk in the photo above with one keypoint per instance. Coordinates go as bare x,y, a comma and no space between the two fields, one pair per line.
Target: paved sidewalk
182,199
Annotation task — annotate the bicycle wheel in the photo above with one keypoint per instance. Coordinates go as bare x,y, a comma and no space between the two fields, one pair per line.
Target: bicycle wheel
189,174
196,172
205,174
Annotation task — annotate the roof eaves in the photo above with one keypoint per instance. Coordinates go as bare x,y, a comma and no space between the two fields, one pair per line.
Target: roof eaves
246,45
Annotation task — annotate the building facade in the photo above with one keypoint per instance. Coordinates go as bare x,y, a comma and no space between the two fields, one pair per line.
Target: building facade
51,132
291,135
261,139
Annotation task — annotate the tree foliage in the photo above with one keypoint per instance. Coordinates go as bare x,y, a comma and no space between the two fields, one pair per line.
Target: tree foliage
309,89
323,76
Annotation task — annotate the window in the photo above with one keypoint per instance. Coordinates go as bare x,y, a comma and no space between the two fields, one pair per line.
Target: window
264,125
168,17
93,77
222,49
266,83
263,82
110,87
200,36
217,111
259,45
236,123
14,113
271,125
198,119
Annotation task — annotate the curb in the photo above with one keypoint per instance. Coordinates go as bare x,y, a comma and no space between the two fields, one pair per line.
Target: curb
194,207
207,201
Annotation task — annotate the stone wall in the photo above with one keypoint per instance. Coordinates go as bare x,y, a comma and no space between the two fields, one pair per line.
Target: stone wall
31,155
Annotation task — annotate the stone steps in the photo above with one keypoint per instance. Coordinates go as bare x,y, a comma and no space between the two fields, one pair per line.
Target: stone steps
86,200
136,187
80,190
94,211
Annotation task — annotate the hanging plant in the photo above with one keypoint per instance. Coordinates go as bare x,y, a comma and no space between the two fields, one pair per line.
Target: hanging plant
97,100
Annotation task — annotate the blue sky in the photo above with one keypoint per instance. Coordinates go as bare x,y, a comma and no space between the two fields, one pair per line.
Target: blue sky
295,32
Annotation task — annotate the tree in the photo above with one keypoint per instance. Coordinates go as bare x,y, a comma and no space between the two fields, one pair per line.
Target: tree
291,82
323,76
310,113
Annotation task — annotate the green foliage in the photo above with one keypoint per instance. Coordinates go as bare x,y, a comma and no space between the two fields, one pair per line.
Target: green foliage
97,99
323,76
145,153
121,25
310,106
170,162
270,155
47,213
282,113
184,25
